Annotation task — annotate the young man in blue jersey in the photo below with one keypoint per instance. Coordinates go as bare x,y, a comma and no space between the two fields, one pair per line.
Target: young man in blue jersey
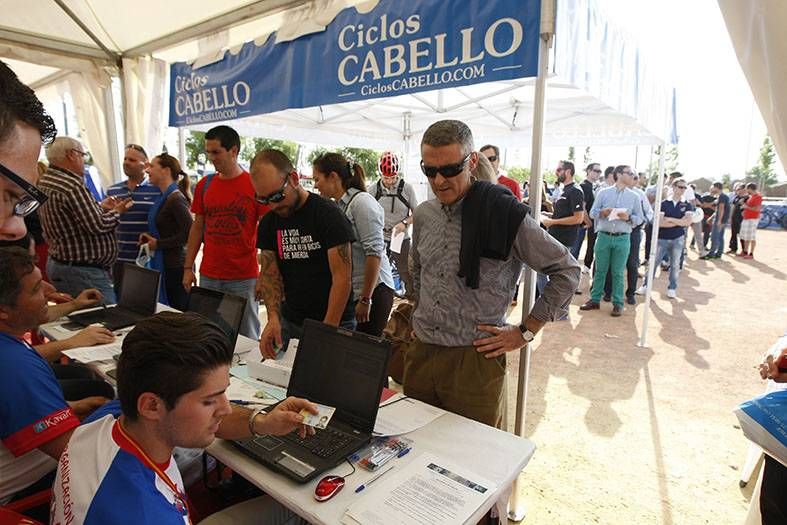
172,378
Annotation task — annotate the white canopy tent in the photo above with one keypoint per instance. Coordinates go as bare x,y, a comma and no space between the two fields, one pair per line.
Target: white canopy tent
757,33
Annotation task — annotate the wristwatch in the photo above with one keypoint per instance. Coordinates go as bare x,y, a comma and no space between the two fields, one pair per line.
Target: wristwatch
526,334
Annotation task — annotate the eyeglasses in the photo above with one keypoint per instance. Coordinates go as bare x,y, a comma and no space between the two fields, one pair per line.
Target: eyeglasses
27,204
596,171
83,153
492,158
680,187
448,171
275,197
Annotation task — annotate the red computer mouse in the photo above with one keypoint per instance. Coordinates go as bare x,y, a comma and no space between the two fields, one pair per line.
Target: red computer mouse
328,487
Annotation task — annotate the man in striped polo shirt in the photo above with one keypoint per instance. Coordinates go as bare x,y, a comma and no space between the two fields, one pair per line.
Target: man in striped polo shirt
134,222
80,232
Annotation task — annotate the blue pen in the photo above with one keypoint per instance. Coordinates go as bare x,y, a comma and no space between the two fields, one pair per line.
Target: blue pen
244,403
404,452
364,485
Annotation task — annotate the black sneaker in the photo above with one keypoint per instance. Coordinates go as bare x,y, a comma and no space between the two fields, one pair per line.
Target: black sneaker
607,299
630,300
617,310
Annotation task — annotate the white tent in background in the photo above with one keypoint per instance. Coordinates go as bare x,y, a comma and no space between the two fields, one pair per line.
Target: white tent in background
757,33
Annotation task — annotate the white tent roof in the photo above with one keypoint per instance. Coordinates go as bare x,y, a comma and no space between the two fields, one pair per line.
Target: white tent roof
757,33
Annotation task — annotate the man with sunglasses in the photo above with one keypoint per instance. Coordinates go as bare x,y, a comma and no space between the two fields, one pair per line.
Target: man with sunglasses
23,126
457,361
81,233
492,153
305,259
225,225
592,174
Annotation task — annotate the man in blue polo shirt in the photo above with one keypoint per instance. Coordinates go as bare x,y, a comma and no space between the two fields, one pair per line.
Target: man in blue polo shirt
616,211
677,214
134,222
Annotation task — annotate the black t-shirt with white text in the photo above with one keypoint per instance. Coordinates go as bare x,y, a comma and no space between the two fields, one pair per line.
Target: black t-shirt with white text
301,243
570,201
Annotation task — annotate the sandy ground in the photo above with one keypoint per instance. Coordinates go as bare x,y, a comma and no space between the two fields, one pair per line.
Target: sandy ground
646,435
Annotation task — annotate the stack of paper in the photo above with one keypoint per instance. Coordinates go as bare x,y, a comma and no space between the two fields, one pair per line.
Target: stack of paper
275,371
428,490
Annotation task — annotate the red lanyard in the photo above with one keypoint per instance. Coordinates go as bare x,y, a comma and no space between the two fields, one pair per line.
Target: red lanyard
181,503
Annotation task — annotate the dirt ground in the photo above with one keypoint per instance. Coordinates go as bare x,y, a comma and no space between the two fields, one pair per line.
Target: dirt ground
629,435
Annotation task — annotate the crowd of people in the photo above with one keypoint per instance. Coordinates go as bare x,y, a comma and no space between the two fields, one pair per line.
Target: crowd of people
326,256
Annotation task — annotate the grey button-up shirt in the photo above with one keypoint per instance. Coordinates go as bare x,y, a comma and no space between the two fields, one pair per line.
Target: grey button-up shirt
448,311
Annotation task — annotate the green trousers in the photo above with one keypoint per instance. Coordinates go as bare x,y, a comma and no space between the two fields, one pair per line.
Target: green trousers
611,253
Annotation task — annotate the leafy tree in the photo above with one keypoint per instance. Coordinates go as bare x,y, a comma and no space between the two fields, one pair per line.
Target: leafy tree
195,144
671,162
367,158
726,180
763,173
571,153
588,158
518,173
249,146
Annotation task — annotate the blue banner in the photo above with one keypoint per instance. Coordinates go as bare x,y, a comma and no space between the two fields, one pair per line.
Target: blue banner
400,47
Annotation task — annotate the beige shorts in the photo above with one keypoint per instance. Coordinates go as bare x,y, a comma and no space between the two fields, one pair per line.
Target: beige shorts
749,229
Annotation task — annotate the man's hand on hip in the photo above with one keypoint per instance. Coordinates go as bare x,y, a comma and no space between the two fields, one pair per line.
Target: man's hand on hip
504,339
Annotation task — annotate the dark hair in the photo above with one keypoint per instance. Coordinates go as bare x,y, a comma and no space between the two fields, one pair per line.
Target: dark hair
350,173
609,170
497,150
751,186
276,158
620,168
168,355
568,165
227,136
675,174
590,166
184,182
19,102
140,149
15,263
718,184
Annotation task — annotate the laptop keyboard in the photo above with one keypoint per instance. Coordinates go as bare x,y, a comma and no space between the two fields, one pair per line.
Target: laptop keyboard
324,443
111,317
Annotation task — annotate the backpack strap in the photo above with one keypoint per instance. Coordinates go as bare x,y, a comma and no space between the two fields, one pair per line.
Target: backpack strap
379,191
205,187
400,195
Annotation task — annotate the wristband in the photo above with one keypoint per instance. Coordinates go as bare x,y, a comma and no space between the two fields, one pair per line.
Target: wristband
365,300
252,417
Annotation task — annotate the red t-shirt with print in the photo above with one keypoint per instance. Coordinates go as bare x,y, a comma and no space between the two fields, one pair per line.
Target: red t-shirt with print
231,214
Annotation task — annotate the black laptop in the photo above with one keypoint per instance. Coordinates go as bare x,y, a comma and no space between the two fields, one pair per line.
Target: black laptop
333,367
138,297
226,310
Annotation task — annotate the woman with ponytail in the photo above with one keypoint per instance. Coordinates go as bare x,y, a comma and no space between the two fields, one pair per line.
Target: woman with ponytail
373,288
169,221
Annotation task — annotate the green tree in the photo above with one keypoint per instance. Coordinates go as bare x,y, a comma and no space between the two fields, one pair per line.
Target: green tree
571,153
367,158
588,158
249,146
671,162
195,144
726,180
518,173
763,173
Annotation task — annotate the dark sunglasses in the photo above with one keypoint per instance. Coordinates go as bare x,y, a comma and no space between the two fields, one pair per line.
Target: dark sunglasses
275,197
492,158
596,171
28,203
447,171
681,187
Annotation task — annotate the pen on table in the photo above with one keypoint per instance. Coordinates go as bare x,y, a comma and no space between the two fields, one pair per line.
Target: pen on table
243,402
364,485
404,452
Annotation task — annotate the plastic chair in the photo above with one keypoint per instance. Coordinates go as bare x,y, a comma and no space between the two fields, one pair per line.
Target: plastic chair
10,513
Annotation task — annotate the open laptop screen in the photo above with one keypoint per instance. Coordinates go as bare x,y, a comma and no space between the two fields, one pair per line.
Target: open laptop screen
342,369
139,289
224,309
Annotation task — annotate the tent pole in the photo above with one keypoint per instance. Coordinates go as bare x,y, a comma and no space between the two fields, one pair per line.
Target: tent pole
654,247
182,146
516,504
112,132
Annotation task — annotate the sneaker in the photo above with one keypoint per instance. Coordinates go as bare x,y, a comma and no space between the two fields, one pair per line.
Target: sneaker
748,256
607,299
617,310
671,294
630,300
590,305
642,290
578,292
741,254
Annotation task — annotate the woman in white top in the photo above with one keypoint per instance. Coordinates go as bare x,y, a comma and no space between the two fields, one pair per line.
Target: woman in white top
343,181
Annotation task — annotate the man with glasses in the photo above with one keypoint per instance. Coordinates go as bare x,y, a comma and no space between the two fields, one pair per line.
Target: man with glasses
134,222
592,174
305,260
225,225
676,216
80,232
492,153
23,126
616,210
457,360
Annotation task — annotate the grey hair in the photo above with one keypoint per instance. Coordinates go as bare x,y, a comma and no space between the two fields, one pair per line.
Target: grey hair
484,170
447,132
60,147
